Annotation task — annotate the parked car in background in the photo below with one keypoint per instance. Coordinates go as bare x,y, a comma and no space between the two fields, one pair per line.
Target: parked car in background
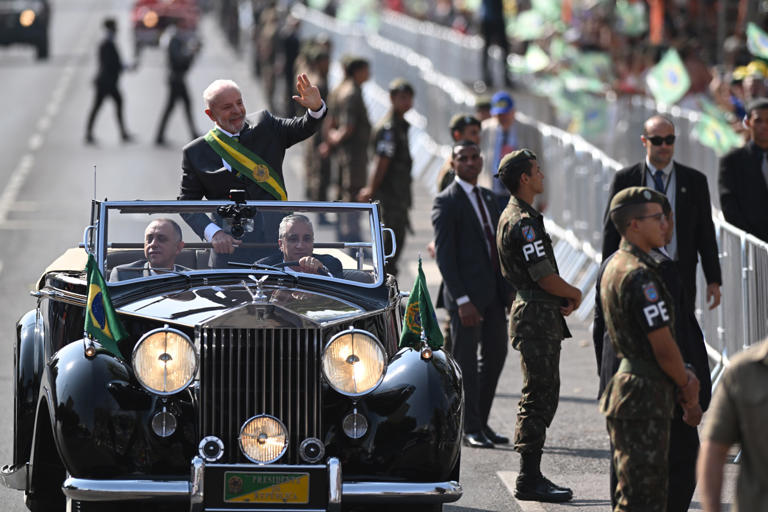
25,22
150,18
249,387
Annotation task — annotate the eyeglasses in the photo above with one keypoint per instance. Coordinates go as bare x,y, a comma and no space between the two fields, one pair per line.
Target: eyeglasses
656,140
658,217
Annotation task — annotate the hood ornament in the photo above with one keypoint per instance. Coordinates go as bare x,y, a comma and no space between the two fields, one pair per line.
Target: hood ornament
259,296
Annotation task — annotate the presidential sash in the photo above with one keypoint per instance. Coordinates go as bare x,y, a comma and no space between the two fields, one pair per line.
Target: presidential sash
246,163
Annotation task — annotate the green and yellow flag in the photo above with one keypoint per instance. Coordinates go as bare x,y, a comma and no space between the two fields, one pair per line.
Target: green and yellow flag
668,80
420,316
246,163
101,320
716,134
757,41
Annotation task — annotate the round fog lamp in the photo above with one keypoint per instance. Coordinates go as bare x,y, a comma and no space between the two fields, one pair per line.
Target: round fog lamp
263,439
211,448
355,425
163,424
311,450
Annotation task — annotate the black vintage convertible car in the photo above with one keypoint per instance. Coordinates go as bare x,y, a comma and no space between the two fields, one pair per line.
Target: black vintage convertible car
254,384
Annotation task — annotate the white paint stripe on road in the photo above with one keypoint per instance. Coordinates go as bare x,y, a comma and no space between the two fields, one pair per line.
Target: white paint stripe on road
509,478
14,185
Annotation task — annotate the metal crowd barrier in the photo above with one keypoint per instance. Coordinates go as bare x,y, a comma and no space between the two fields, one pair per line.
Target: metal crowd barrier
578,178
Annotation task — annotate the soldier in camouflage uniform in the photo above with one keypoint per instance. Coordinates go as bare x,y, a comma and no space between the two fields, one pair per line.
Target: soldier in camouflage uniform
349,137
638,401
536,323
390,182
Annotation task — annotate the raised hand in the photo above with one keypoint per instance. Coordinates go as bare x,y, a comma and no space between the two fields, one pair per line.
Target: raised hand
309,95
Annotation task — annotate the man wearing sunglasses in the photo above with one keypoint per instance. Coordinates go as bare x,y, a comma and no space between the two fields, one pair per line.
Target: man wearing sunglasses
688,194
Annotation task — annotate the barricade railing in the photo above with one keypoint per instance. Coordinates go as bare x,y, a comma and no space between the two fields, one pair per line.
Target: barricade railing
578,177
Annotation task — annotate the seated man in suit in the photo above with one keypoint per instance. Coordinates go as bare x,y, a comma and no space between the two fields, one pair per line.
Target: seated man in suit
296,239
162,243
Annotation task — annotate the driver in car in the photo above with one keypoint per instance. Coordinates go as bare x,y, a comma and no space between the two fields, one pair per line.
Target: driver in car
162,243
296,239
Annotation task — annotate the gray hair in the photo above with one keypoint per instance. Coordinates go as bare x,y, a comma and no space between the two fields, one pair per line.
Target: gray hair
213,90
290,219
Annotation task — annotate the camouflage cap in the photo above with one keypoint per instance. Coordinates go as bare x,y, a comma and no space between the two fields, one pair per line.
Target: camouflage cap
637,195
515,157
400,85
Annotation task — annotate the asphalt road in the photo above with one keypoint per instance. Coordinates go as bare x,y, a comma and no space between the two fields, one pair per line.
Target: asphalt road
47,181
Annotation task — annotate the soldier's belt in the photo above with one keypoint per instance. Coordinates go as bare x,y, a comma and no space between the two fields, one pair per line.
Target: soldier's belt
538,296
640,367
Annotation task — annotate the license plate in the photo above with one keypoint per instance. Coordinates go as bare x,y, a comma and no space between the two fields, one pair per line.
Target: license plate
263,487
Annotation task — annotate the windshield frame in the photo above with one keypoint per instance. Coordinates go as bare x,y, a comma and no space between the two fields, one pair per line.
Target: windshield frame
95,237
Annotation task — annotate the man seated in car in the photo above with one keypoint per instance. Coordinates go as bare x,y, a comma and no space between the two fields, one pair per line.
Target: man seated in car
296,239
162,244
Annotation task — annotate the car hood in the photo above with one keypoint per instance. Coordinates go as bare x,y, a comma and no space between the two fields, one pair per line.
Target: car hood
235,307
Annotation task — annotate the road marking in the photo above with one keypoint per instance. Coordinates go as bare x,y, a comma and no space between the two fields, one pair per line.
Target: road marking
509,478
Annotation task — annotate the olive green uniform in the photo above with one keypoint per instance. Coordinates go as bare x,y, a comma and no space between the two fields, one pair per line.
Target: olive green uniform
638,401
536,325
390,141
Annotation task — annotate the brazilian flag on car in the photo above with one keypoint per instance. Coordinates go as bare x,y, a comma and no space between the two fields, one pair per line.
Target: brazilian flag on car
101,320
420,316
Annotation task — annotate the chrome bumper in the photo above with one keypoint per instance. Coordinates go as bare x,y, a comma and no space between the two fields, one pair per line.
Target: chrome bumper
84,489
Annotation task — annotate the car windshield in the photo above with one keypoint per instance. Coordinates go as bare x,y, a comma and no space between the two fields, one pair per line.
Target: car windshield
140,240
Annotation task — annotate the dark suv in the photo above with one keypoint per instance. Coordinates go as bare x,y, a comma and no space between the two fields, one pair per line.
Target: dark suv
26,22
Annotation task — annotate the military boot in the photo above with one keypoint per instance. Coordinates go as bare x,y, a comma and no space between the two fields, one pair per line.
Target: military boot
531,485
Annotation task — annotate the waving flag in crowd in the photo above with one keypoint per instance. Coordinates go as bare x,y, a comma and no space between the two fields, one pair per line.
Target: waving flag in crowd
757,41
101,320
668,80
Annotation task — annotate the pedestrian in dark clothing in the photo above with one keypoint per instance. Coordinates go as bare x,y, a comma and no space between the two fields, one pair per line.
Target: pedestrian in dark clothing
110,67
183,45
684,438
494,33
390,182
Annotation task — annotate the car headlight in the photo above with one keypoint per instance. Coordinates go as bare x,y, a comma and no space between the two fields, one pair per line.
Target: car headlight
27,18
165,361
354,362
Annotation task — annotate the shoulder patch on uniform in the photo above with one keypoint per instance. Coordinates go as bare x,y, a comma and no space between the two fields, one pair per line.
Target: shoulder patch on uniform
528,233
649,290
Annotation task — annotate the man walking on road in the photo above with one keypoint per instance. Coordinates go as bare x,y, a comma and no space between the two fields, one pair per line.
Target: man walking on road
536,323
638,401
109,69
475,294
688,193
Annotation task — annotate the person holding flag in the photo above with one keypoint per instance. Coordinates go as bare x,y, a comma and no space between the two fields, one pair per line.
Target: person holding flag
101,320
242,153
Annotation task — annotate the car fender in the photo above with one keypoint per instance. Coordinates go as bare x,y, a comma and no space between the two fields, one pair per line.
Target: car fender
28,371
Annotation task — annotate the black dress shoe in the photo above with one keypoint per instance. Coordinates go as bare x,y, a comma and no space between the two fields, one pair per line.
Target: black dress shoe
541,489
494,437
477,440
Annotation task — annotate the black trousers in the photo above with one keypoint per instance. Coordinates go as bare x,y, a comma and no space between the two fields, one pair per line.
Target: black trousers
102,92
177,92
683,450
481,372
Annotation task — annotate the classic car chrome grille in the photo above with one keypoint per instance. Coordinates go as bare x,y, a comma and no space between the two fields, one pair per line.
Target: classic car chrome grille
245,372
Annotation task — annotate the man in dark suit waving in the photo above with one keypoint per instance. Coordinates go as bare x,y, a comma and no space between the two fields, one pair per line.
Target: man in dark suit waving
475,294
241,153
688,194
743,178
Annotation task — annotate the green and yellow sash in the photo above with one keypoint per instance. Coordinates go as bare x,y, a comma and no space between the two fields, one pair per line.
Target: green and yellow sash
246,163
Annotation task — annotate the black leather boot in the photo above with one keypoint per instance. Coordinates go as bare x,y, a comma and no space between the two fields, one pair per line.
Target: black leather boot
531,485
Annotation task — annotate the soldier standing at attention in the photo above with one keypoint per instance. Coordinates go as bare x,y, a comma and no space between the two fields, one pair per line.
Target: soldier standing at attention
639,399
536,323
390,182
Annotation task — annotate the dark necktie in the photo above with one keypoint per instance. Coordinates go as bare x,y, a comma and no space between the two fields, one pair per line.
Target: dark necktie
764,166
658,181
487,228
